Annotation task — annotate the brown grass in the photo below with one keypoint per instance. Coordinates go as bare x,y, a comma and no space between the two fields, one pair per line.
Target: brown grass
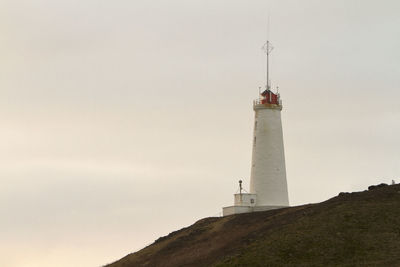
357,229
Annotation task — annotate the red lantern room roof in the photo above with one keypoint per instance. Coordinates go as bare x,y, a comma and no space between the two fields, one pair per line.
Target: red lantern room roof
269,97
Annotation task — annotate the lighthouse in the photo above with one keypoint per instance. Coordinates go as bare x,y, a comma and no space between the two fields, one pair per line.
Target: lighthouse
268,184
268,171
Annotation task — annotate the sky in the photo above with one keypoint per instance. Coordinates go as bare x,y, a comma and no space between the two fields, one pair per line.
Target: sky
122,121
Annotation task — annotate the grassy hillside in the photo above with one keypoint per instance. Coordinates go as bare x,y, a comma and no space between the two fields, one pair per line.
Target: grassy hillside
352,229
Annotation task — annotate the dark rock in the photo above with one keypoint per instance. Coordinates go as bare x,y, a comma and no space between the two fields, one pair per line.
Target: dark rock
372,187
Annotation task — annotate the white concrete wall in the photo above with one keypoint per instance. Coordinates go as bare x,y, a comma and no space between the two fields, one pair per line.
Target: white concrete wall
245,209
245,199
268,171
235,210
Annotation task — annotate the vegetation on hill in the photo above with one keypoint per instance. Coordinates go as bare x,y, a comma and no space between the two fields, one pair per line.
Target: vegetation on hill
352,229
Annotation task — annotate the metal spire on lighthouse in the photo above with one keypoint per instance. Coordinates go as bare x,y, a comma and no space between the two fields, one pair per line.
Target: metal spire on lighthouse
267,48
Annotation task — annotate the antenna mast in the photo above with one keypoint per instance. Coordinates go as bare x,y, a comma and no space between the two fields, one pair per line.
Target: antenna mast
267,47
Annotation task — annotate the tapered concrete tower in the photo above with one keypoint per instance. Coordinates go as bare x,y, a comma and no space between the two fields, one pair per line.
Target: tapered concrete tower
268,185
268,171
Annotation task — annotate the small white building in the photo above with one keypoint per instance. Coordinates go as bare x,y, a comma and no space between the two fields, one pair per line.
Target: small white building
268,185
243,202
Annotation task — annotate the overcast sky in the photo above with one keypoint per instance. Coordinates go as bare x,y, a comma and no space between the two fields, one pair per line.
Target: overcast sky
122,121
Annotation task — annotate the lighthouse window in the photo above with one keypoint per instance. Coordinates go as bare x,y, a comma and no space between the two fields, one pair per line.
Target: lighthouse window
252,201
255,126
255,139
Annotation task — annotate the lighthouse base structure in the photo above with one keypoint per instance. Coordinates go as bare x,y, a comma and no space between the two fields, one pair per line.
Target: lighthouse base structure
246,209
244,203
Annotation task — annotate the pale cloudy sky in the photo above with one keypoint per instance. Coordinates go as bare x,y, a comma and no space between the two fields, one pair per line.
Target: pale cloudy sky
122,121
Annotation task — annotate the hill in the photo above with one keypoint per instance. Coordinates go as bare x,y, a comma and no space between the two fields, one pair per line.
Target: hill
352,229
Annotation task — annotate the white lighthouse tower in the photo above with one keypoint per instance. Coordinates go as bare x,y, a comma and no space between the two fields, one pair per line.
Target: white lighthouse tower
268,185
